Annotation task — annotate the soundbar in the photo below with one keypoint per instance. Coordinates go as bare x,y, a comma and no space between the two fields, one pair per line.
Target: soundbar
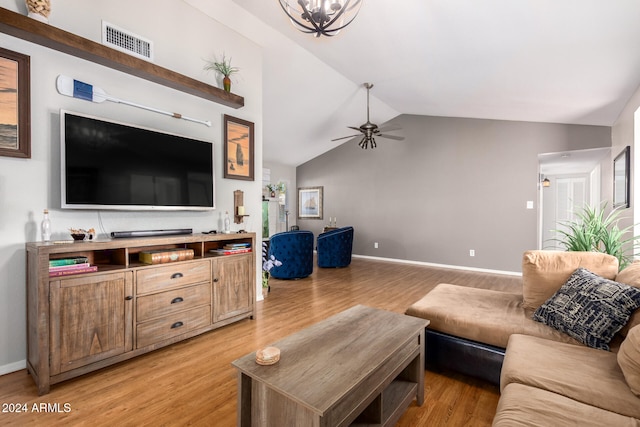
151,233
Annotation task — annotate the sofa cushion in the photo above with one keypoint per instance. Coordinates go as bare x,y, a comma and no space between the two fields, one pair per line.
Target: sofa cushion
584,374
631,276
590,308
543,272
481,315
629,359
522,405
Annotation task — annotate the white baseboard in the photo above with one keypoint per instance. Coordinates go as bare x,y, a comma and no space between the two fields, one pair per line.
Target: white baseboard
430,264
13,367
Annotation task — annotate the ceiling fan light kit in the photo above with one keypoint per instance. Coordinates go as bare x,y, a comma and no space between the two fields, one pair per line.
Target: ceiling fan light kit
369,130
321,17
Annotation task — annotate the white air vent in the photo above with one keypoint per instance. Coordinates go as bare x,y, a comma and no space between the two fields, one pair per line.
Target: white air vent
126,41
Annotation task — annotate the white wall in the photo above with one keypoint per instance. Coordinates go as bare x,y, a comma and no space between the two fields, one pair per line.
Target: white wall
623,133
182,38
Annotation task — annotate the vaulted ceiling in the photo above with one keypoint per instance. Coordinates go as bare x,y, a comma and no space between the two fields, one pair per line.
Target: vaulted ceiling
561,61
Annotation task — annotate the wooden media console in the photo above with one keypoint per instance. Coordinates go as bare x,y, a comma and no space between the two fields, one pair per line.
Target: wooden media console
82,322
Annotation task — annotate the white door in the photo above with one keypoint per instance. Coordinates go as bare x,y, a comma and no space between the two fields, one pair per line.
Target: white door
566,197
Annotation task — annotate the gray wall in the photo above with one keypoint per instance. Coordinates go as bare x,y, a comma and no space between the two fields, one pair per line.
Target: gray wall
452,185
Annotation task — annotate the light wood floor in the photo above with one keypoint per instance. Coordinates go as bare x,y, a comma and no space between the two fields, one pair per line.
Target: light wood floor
193,383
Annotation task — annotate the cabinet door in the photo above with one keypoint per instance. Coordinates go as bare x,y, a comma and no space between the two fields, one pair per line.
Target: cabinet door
91,319
232,286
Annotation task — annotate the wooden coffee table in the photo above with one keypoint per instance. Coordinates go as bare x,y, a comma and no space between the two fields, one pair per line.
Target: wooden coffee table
361,366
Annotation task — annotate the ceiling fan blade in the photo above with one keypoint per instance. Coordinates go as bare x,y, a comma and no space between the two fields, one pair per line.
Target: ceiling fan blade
355,128
397,138
389,128
345,137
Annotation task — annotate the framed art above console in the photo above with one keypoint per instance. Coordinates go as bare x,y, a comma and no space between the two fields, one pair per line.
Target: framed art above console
15,104
238,149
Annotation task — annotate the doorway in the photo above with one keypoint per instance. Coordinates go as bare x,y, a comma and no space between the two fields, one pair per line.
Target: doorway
569,181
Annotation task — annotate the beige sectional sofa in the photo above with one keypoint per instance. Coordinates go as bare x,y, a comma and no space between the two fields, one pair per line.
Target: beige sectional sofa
544,383
546,376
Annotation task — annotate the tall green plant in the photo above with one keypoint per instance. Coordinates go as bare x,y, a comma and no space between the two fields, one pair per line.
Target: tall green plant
594,231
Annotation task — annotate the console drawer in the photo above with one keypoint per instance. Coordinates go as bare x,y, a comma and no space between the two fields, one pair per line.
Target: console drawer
168,302
170,276
170,326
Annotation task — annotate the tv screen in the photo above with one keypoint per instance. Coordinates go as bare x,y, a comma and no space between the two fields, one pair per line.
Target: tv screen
111,165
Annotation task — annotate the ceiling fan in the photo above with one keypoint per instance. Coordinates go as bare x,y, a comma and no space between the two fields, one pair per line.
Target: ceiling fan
369,130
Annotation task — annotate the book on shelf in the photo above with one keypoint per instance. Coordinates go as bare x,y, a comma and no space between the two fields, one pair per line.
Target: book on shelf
69,267
58,273
219,252
68,261
237,245
163,256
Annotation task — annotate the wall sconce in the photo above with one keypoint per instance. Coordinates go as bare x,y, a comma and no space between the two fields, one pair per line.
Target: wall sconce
546,182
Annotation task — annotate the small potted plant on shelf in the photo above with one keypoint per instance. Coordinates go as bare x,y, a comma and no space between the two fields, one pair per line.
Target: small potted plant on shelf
267,264
224,68
279,187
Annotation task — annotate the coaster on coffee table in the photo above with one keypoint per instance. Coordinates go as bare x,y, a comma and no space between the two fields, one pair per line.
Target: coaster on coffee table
267,356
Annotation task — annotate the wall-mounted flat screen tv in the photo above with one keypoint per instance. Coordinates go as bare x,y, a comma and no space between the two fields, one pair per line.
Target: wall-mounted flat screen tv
111,165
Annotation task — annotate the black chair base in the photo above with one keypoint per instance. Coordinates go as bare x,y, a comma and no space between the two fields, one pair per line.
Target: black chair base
448,352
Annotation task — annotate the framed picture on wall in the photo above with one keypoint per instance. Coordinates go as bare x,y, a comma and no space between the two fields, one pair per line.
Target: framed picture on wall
238,149
310,202
15,104
621,190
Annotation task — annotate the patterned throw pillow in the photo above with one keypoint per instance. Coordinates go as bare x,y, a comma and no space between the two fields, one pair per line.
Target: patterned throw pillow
589,308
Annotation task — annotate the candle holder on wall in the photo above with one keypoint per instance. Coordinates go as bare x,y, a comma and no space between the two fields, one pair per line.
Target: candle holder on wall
238,207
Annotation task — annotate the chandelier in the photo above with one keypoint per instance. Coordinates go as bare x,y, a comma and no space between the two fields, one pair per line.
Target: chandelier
321,17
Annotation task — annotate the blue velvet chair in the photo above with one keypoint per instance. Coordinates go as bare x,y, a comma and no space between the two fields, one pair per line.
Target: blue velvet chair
334,248
295,250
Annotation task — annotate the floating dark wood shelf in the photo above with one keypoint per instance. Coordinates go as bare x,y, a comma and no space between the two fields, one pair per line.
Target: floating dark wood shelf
17,25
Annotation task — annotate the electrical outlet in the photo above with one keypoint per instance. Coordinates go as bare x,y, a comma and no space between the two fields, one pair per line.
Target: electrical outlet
472,252
375,245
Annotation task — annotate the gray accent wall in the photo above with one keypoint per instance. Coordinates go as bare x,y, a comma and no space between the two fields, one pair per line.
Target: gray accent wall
453,185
